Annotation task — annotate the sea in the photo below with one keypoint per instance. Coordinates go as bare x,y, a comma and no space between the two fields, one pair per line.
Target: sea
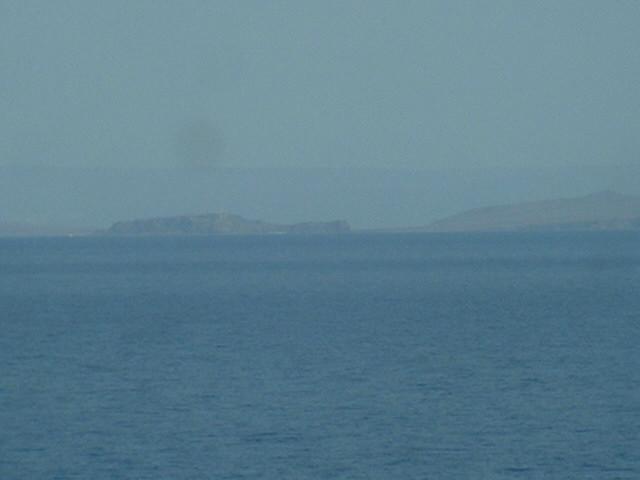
358,356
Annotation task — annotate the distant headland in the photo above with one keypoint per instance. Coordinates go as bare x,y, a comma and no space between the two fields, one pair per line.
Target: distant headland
605,210
220,224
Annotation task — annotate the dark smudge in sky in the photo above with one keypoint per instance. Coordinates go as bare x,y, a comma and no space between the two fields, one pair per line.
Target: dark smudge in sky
199,144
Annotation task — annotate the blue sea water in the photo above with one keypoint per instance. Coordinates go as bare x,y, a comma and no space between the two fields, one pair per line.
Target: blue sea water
413,356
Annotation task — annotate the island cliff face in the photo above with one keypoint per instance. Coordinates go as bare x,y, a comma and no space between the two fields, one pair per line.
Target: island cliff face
599,211
219,224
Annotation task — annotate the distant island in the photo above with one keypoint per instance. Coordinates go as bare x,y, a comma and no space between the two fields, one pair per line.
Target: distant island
220,224
599,211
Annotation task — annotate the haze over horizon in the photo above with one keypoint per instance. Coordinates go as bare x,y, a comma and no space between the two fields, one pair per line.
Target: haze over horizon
153,108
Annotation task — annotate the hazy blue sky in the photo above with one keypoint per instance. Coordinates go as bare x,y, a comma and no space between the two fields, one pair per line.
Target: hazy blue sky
152,83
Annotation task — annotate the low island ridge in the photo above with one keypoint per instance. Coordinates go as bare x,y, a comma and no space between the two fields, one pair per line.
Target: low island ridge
220,224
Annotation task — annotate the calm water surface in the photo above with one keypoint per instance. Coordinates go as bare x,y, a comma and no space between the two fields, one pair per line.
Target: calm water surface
355,357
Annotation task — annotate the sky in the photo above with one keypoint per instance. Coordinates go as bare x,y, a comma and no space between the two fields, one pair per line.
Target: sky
196,84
